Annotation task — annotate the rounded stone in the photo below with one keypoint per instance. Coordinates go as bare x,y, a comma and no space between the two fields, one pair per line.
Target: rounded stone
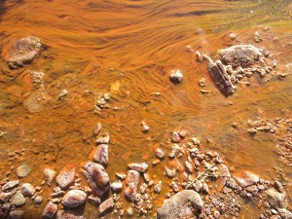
74,198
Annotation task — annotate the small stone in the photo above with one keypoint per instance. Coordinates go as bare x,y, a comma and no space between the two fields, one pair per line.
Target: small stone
176,76
145,127
27,189
129,212
140,167
4,197
97,128
23,170
175,150
18,199
175,137
232,36
106,206
74,198
171,173
121,176
116,186
50,210
217,214
38,200
195,141
103,139
159,153
49,175
101,154
158,187
94,200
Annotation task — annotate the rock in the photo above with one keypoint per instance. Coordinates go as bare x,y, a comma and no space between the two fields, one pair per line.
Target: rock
101,154
27,189
16,214
97,178
21,51
106,206
174,207
9,185
158,187
176,76
133,176
121,176
23,170
94,200
285,213
74,198
68,215
171,173
145,127
50,210
196,141
248,179
18,199
129,212
240,55
220,77
97,128
189,167
278,186
38,200
175,137
35,102
140,167
66,177
4,197
117,186
175,150
276,199
217,214
159,153
131,192
49,175
103,139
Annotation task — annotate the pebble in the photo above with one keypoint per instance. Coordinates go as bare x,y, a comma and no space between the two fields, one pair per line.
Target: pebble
140,167
50,210
49,175
176,76
94,200
74,198
158,187
18,199
103,139
106,206
116,186
66,176
159,153
171,173
27,189
23,170
145,127
38,200
129,212
175,137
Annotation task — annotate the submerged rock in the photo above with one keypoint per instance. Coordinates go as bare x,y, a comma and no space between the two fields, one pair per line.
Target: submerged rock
97,177
74,198
178,205
22,51
66,177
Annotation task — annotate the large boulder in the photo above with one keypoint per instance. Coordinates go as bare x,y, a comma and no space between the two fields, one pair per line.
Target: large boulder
181,205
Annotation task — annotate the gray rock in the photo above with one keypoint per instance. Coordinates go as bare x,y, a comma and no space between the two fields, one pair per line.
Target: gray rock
18,199
175,207
27,189
248,179
74,198
23,170
49,175
159,153
97,177
158,187
66,177
10,185
106,206
50,210
38,200
4,197
94,200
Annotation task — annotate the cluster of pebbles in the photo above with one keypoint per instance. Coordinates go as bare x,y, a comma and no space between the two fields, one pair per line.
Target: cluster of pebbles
237,63
281,128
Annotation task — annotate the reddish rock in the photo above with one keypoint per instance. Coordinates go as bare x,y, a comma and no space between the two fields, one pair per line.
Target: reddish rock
140,167
94,200
133,176
106,206
101,154
175,137
97,177
66,177
50,210
74,198
68,215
